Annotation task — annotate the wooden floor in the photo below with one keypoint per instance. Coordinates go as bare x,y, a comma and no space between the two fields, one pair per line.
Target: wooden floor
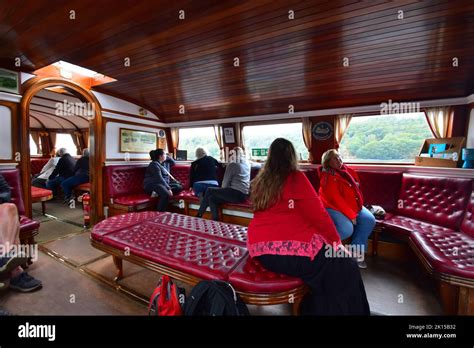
77,279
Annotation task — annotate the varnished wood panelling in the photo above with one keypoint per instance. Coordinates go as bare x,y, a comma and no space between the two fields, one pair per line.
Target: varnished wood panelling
189,62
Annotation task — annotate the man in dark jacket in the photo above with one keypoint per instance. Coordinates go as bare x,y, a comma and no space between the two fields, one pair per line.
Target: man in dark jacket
81,175
157,179
64,169
11,256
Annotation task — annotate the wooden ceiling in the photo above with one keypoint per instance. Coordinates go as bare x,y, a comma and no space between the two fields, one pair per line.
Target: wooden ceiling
43,113
190,62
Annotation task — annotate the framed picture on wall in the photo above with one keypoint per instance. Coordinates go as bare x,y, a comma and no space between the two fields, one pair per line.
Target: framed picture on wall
9,81
136,141
229,137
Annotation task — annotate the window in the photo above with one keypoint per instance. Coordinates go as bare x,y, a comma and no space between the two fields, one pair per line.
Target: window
33,148
192,138
386,138
261,137
65,140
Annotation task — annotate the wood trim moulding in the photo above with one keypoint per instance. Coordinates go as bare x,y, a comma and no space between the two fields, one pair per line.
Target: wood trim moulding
126,114
9,97
119,162
322,112
31,88
106,120
115,116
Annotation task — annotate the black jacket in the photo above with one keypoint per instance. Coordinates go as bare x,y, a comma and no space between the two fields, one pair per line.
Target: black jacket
65,167
82,166
5,191
155,174
203,169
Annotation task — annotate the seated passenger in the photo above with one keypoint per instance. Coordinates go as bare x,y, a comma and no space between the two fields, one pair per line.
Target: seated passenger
169,163
235,186
64,169
341,195
157,179
11,258
81,175
40,179
203,172
291,233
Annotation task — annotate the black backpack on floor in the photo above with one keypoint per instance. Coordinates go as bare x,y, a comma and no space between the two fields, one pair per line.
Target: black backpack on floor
214,298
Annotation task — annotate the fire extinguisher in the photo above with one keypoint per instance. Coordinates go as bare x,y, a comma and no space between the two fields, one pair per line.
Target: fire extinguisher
86,206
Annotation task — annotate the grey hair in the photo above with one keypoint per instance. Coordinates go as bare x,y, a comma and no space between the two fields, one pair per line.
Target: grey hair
62,151
200,152
85,152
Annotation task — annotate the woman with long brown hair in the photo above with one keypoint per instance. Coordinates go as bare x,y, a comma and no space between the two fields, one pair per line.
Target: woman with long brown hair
291,233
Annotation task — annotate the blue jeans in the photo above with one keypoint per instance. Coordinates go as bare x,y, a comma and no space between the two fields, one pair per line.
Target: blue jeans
360,232
68,184
200,187
54,183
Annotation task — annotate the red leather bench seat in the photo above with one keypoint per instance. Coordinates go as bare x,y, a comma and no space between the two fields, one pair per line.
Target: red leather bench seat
37,192
380,188
447,253
37,164
250,276
125,187
203,257
429,204
199,247
83,187
28,227
452,253
403,226
206,228
115,223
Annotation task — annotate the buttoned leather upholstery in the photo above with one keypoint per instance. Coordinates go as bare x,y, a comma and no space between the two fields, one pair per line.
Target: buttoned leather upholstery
199,247
133,199
250,276
435,200
28,227
37,164
206,228
380,188
182,173
467,225
447,253
115,223
124,180
403,226
12,176
207,258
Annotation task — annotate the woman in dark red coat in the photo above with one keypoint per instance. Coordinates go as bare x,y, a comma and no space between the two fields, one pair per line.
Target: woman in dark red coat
341,195
291,233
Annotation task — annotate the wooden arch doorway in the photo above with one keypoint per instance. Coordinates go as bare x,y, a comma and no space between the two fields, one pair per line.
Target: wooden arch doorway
30,89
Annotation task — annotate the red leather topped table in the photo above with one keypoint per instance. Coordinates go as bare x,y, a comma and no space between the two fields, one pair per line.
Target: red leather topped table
191,249
41,195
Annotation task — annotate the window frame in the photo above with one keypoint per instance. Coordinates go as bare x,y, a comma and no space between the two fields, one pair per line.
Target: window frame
384,163
269,123
193,127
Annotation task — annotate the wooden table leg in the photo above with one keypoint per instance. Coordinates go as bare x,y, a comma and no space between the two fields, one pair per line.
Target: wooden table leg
295,308
466,301
119,267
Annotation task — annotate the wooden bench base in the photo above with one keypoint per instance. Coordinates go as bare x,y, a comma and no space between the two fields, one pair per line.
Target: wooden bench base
293,297
457,294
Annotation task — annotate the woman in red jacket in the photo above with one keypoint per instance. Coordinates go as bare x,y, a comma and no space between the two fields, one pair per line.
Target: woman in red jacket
341,195
291,233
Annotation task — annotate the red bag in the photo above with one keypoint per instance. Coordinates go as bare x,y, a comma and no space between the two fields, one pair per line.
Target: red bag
165,299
